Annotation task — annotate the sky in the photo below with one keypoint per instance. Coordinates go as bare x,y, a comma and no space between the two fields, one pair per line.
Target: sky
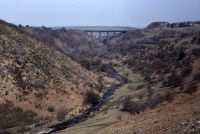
135,13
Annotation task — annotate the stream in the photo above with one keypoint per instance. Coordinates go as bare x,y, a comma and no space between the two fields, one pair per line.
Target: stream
84,116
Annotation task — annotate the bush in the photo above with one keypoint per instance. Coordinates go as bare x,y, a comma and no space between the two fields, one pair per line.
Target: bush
187,61
85,64
137,107
131,106
181,55
196,76
51,109
174,80
61,113
166,69
158,98
149,91
130,87
190,88
119,117
186,71
196,52
91,98
13,117
147,78
20,26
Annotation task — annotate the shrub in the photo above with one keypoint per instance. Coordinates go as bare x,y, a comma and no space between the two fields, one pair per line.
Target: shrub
190,88
85,64
61,113
131,106
137,107
187,61
158,98
11,116
196,76
181,55
20,26
91,98
186,71
174,80
166,69
51,109
139,87
149,91
130,87
147,78
196,51
119,117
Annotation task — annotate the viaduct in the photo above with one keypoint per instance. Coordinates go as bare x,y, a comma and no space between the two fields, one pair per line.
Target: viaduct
105,34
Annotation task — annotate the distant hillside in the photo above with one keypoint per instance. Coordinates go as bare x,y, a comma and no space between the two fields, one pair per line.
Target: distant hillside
160,51
37,78
157,33
86,28
75,43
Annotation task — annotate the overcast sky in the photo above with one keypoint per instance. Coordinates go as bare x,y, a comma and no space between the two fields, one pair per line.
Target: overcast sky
136,13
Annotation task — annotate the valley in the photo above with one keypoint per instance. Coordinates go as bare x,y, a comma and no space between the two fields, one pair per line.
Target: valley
66,81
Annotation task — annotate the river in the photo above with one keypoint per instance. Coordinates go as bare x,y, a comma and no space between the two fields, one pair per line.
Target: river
84,116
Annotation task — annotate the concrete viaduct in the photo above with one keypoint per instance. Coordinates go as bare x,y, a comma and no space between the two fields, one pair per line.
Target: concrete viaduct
105,34
102,32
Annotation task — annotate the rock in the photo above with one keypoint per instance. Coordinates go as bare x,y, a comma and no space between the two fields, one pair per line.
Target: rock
115,107
48,130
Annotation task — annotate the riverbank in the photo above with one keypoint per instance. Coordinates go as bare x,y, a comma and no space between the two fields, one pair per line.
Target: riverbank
110,113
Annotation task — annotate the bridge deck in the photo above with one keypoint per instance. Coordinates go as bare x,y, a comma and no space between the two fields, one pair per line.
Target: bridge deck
121,31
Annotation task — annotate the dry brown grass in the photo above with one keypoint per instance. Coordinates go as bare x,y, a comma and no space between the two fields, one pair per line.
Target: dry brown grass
179,116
